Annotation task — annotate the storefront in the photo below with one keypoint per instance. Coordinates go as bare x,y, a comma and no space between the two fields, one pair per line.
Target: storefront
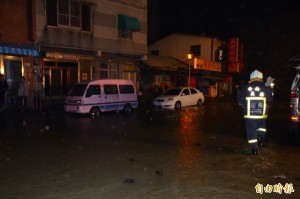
17,61
160,73
61,70
109,65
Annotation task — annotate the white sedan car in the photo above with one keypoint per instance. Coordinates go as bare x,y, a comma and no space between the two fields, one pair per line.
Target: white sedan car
176,98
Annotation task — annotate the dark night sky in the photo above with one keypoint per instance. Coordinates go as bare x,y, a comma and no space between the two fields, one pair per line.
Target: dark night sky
269,30
220,18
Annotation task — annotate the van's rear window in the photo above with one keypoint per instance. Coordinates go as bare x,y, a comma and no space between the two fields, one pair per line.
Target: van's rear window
77,90
124,89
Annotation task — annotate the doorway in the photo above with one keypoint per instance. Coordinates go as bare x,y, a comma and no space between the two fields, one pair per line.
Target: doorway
13,73
59,77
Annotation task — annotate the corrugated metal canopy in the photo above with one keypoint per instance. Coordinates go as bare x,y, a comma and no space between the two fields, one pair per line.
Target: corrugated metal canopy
164,63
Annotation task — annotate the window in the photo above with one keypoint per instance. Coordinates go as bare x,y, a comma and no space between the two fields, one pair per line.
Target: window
193,91
68,13
220,54
51,10
186,92
195,50
110,89
125,89
93,90
86,17
108,70
155,52
125,34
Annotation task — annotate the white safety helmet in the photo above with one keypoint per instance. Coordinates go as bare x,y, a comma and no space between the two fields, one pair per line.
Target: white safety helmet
256,75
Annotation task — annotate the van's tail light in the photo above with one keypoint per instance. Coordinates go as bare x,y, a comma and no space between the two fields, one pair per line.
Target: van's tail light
293,94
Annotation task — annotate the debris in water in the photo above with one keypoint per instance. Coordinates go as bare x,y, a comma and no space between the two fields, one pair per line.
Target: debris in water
159,172
200,144
129,180
47,127
280,176
24,123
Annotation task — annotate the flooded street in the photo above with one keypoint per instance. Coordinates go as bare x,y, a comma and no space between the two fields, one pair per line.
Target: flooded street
189,154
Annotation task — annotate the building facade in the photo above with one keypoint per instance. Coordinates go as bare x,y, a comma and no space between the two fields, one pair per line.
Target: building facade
64,42
18,55
206,69
92,39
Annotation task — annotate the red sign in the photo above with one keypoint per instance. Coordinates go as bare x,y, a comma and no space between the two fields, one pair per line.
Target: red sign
207,65
234,64
233,44
236,67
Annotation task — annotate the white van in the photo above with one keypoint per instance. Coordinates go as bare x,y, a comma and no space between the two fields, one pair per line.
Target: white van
94,97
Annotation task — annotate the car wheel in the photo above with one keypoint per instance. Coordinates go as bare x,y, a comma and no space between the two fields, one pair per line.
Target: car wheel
127,108
199,103
177,106
95,112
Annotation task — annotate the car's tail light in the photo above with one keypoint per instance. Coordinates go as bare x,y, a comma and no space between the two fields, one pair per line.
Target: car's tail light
293,94
295,118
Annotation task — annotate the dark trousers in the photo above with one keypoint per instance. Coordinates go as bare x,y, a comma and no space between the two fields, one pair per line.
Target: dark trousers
2,101
23,101
255,129
38,103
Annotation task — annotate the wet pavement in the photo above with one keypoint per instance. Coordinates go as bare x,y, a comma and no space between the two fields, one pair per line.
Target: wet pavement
193,153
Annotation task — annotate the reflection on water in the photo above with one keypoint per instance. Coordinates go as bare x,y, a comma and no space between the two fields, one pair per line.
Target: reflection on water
189,156
78,157
188,126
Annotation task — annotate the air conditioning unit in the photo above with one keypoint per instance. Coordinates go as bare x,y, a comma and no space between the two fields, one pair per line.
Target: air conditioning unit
99,53
144,58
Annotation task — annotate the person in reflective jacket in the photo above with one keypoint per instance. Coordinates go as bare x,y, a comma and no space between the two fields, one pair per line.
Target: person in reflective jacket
254,98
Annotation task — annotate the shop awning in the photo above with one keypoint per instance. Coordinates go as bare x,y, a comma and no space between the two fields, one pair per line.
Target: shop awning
164,63
128,23
18,49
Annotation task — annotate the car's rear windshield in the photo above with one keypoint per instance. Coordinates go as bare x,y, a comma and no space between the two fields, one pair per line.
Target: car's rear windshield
77,90
175,91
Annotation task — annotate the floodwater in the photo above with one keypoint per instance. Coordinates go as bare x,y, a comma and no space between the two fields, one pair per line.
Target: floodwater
189,154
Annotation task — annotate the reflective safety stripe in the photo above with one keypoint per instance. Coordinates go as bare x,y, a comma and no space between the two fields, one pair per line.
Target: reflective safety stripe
252,141
255,116
261,94
262,129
